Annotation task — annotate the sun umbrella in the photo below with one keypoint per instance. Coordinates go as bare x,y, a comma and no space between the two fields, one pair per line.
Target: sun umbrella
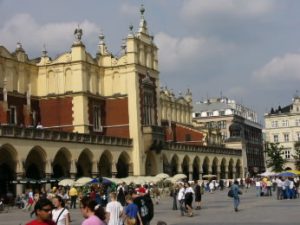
267,174
162,175
82,181
294,171
286,174
179,176
66,182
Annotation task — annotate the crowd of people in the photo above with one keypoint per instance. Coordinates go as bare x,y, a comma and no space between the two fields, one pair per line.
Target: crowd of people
99,204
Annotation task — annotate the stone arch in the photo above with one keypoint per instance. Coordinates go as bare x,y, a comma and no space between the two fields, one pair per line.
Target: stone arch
105,163
205,166
123,165
185,166
214,166
150,165
84,164
196,168
223,169
166,165
230,169
35,163
61,164
174,165
8,156
238,169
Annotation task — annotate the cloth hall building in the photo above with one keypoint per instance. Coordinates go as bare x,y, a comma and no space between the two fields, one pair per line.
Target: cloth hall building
82,115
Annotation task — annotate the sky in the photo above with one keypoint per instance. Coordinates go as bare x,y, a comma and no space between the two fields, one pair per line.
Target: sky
246,50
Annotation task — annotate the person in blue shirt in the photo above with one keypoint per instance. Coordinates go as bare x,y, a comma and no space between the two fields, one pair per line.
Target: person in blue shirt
236,192
131,212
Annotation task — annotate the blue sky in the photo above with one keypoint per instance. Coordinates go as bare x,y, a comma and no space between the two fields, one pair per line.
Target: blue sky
246,50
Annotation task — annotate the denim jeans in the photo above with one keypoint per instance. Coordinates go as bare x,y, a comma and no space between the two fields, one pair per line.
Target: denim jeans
258,190
236,202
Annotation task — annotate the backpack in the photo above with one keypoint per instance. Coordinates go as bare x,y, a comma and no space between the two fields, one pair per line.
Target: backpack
230,193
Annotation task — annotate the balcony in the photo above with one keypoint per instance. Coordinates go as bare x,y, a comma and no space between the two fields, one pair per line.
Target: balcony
154,138
49,135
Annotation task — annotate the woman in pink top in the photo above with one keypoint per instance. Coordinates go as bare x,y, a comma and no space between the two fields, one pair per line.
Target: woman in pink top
94,214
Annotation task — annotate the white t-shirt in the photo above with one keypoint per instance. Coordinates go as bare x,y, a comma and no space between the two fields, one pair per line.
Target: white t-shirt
114,208
63,216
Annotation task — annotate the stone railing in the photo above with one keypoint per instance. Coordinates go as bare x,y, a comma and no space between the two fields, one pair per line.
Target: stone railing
49,135
202,149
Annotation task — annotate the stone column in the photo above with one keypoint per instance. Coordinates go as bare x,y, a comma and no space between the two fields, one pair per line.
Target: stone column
130,169
73,169
234,175
94,172
190,171
114,170
27,116
19,187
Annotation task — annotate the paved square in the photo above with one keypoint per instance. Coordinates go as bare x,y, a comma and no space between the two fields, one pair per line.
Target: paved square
217,209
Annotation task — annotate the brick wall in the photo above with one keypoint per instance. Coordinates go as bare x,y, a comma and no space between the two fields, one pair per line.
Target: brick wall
115,114
57,112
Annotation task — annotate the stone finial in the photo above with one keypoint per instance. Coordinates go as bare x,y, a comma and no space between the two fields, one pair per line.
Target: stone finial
19,47
131,34
142,10
78,35
44,52
123,46
143,23
188,95
101,38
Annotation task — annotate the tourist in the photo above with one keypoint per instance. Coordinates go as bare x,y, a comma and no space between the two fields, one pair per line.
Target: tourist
145,205
198,194
60,215
236,192
180,198
73,195
279,185
188,198
42,209
114,210
258,188
132,212
94,214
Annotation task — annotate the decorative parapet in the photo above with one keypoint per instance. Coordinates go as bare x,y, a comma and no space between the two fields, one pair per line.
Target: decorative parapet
202,149
49,135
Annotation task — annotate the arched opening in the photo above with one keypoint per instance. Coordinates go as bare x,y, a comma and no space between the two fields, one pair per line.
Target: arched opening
185,166
35,164
150,167
166,165
196,168
205,166
84,164
230,169
223,169
174,165
105,164
214,167
7,170
123,165
238,169
61,164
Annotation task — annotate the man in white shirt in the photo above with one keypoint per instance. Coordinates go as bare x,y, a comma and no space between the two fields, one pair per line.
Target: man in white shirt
279,185
180,198
258,188
114,210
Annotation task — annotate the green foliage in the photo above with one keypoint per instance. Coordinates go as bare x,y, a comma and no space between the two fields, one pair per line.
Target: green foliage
275,158
297,155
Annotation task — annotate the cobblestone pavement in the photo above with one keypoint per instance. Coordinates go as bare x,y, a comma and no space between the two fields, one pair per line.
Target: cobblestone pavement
217,209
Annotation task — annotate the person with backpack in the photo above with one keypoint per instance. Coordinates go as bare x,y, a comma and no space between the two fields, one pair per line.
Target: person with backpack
145,206
235,194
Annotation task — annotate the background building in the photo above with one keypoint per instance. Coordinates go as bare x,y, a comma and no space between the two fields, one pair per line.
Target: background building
78,115
233,125
283,126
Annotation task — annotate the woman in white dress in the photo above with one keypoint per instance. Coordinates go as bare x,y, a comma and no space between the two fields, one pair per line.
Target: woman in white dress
60,215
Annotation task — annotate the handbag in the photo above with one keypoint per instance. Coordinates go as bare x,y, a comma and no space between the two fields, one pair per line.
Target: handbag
230,193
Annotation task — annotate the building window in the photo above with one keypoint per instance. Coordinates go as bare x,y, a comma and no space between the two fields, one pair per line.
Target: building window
12,115
287,153
286,137
148,108
209,113
274,124
222,113
97,119
285,123
275,138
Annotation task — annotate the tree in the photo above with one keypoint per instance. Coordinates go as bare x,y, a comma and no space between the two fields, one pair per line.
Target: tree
297,155
275,158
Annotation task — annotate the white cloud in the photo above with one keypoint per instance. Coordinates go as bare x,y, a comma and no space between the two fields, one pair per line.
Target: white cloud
286,68
129,10
57,36
175,53
240,8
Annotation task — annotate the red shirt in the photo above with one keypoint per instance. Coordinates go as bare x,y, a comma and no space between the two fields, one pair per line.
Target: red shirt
36,222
